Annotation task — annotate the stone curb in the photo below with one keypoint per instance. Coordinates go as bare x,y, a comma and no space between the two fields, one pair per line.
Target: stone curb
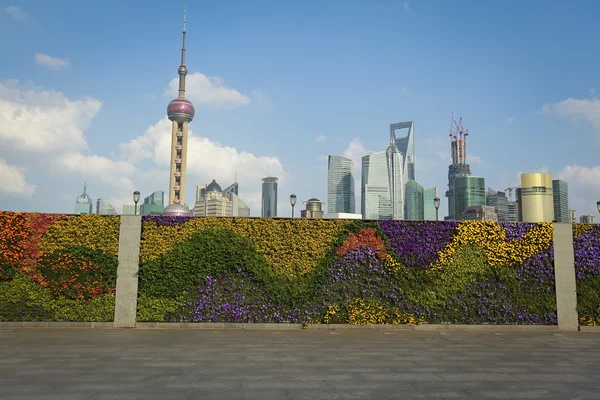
590,329
288,326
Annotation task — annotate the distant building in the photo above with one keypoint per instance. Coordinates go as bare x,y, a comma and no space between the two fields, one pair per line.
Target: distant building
519,203
560,195
572,216
376,201
153,204
212,201
499,201
313,209
414,205
342,216
467,191
586,219
513,215
480,213
428,206
537,197
269,197
83,204
129,209
340,185
458,169
103,207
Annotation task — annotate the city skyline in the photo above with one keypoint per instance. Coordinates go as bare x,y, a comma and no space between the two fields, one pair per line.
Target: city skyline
69,116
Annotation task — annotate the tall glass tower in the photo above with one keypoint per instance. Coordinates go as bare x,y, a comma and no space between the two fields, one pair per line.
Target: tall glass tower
560,191
376,202
269,197
469,191
415,202
340,185
428,206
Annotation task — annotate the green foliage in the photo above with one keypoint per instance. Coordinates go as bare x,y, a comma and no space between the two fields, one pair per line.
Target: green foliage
588,300
206,252
79,272
21,299
154,309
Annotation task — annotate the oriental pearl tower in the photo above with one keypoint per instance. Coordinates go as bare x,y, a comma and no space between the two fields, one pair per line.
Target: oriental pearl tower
181,112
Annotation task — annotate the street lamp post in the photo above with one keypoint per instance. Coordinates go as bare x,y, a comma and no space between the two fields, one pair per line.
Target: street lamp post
436,204
598,205
136,198
293,203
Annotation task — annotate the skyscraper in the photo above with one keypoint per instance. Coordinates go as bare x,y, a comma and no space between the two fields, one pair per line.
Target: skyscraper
415,202
340,185
376,201
459,166
537,202
586,219
572,216
396,176
153,204
406,146
269,197
83,204
103,207
499,201
181,112
560,195
468,191
428,206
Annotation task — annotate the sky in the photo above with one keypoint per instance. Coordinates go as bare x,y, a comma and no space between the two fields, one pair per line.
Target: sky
278,86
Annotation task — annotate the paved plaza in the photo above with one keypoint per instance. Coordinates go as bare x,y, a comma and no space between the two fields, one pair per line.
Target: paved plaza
72,363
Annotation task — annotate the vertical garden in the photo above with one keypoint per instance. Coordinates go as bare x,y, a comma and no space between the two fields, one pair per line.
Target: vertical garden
57,267
339,271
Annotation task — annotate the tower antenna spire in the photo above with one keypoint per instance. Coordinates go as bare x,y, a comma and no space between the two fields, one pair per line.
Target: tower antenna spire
182,68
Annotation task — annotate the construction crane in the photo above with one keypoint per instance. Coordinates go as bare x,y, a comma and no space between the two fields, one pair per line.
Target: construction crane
510,191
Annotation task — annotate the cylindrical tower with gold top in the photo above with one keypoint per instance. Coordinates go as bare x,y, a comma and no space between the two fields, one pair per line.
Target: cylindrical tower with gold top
181,112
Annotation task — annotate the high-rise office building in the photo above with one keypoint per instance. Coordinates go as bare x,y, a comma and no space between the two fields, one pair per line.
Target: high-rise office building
340,185
468,191
560,195
586,219
572,217
181,112
103,207
129,209
83,204
429,195
153,204
512,215
415,202
519,203
499,201
376,202
459,167
269,197
406,146
537,202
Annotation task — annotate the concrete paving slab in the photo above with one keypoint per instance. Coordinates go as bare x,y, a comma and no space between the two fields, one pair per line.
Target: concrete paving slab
295,364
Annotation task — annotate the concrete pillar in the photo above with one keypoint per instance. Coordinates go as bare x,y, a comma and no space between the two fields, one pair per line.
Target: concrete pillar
127,279
564,271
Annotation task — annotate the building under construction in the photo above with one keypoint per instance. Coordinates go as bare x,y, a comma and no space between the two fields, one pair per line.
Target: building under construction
464,190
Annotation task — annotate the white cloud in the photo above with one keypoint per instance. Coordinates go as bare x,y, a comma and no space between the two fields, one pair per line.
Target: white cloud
16,13
12,181
207,160
113,173
54,63
321,139
39,121
209,91
475,160
510,120
356,150
584,190
576,110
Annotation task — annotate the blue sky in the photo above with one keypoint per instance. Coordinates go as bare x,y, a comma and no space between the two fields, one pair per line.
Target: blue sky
278,86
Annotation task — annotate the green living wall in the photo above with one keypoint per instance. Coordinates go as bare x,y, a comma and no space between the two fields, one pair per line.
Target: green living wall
57,267
340,271
586,248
